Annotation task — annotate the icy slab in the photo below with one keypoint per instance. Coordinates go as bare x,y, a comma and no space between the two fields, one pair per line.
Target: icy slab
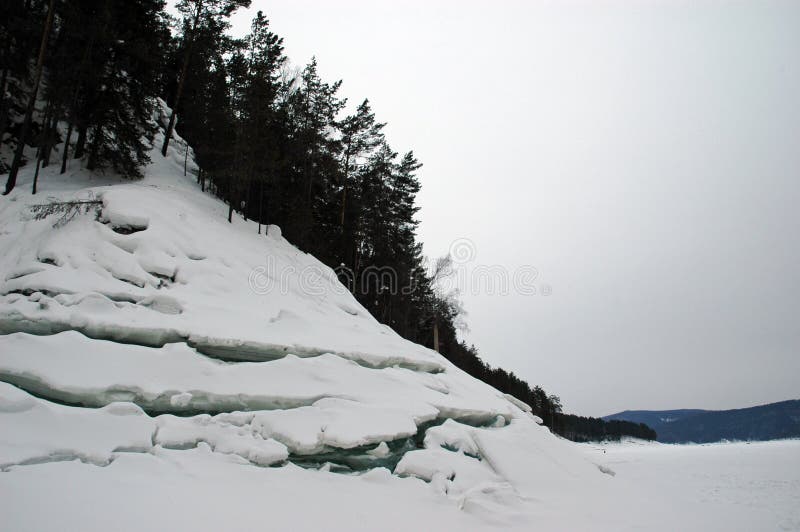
525,407
74,369
339,423
459,472
32,430
468,481
541,457
452,435
380,451
185,433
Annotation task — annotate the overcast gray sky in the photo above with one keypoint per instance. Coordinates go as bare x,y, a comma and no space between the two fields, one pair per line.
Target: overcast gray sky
643,156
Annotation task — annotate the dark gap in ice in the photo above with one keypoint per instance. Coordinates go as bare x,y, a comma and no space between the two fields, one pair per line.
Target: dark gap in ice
122,298
244,353
347,308
133,282
116,333
117,298
252,352
358,459
164,280
27,292
123,229
57,457
127,229
154,406
453,449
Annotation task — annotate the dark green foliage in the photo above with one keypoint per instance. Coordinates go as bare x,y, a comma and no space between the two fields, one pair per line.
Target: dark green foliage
120,125
311,161
20,33
198,17
101,73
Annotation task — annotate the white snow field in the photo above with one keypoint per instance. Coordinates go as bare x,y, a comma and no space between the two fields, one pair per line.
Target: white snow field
722,486
162,369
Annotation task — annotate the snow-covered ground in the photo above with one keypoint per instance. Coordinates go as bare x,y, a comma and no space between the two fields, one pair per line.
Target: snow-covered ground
720,486
162,369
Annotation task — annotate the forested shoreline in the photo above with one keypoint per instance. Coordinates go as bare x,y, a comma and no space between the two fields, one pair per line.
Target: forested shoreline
80,82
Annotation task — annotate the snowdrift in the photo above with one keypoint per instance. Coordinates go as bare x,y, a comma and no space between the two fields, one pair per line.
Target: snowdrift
181,371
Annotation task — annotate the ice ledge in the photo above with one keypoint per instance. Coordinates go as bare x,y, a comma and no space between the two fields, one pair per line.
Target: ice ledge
226,349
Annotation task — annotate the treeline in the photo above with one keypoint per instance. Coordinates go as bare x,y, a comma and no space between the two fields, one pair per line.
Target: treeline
80,79
81,74
584,429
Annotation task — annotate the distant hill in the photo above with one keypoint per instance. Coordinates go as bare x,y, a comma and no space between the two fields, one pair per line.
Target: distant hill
765,422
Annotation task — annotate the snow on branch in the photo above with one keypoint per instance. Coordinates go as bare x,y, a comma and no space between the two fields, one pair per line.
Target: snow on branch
66,209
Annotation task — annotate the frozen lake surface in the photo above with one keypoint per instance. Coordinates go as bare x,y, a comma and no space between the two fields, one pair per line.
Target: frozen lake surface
723,486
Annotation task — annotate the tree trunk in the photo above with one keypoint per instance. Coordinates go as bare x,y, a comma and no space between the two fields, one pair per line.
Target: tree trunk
48,134
91,162
3,105
260,204
436,335
344,188
246,205
12,175
36,173
80,144
66,148
182,79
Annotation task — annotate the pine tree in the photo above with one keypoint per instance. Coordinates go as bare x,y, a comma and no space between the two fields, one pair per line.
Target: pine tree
197,13
132,47
372,222
311,110
260,124
407,252
361,134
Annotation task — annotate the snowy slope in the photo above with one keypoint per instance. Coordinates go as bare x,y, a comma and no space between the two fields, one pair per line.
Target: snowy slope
151,337
161,369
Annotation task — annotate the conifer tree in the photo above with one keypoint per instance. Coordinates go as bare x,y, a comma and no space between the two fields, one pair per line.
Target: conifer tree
131,49
260,124
311,110
361,134
197,13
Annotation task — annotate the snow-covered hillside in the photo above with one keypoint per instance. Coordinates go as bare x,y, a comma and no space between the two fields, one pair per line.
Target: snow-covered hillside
150,346
161,369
